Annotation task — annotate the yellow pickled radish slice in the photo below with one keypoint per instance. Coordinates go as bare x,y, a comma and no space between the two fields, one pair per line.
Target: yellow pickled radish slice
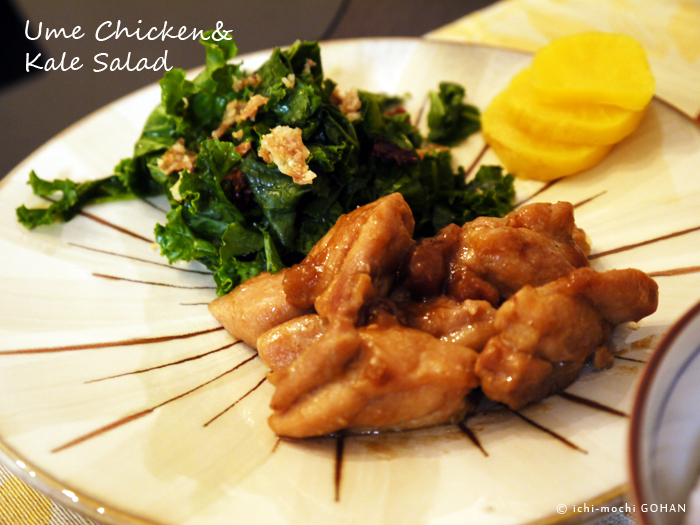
533,157
578,123
593,68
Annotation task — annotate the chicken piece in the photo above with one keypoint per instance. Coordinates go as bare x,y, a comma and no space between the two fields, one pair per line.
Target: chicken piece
557,221
426,266
318,363
531,246
464,285
546,334
469,323
280,345
398,378
355,261
255,306
620,296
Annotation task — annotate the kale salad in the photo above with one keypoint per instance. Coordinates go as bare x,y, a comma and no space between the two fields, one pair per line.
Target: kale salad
257,166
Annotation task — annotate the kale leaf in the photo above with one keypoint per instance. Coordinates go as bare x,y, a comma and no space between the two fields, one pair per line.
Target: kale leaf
74,197
450,120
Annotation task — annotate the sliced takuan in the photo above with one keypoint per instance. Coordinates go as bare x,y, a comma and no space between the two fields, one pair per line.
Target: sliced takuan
594,68
530,156
578,123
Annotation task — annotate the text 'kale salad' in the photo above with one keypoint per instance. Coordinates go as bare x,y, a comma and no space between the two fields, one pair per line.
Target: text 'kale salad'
257,166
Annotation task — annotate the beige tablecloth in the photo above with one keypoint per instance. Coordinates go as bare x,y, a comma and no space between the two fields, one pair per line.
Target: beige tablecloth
668,29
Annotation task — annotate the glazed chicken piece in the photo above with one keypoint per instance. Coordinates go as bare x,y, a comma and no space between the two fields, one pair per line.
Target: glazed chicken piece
254,307
353,263
373,331
557,221
546,334
281,345
426,266
398,378
533,245
468,323
428,271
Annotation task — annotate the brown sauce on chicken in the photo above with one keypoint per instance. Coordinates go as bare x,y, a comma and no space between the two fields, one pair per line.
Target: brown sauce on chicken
376,331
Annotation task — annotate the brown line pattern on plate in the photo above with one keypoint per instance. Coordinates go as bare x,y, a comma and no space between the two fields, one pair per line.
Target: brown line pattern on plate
550,184
338,473
589,199
237,400
478,158
592,404
152,283
472,437
133,417
172,363
109,344
421,110
115,227
103,429
104,222
276,445
644,243
538,192
630,359
676,271
476,161
550,432
138,259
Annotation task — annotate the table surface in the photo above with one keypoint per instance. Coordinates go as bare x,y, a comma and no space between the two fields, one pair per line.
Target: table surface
667,30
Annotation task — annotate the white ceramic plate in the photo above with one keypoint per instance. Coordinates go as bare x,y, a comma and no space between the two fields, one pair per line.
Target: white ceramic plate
121,397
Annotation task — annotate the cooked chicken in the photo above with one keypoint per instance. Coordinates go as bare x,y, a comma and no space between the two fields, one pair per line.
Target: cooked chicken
426,266
546,334
464,285
254,307
398,377
375,331
355,261
280,345
469,323
557,221
531,246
